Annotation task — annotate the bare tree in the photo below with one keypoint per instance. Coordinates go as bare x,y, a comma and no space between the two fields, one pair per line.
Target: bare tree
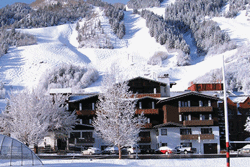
29,116
116,122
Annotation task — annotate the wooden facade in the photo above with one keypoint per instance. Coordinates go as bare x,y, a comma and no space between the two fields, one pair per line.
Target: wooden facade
206,86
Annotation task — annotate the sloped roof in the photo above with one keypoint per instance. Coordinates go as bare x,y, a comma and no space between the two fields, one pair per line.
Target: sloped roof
76,98
238,99
162,83
188,94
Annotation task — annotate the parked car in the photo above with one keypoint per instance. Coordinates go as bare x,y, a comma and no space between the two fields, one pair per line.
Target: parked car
184,149
111,150
92,150
132,150
165,150
245,149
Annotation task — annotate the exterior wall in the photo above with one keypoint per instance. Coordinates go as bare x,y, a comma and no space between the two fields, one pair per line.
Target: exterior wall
206,87
173,138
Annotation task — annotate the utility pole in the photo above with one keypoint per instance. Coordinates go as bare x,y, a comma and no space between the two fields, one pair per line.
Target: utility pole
226,115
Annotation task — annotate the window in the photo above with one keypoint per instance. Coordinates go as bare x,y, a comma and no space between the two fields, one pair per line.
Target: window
200,103
90,121
185,131
210,116
185,117
200,116
209,103
148,120
153,105
186,144
140,106
180,118
75,135
80,106
164,132
179,103
154,90
206,131
189,117
189,104
93,106
164,144
87,135
144,134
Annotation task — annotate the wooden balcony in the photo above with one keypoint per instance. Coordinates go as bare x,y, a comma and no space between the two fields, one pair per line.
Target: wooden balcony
196,137
189,137
145,140
195,109
148,95
148,125
198,122
147,111
85,112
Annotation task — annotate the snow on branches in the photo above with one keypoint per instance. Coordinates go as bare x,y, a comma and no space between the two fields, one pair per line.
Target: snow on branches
29,116
116,122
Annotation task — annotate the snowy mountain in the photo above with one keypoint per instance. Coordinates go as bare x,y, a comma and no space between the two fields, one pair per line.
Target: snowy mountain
23,67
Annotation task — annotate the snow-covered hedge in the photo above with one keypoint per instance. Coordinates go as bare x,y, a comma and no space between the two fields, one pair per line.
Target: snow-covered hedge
69,76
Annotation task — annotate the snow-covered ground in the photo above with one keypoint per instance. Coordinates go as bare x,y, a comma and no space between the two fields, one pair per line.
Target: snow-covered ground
202,162
22,67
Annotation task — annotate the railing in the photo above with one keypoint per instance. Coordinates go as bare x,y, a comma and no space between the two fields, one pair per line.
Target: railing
147,111
85,112
195,109
196,137
81,141
148,125
145,140
147,95
198,122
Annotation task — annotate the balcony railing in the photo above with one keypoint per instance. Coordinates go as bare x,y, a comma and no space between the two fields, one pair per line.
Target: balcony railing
198,122
148,125
195,109
196,137
147,111
145,140
81,141
85,112
148,95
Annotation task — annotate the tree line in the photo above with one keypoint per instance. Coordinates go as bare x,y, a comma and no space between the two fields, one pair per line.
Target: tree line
194,15
138,4
14,38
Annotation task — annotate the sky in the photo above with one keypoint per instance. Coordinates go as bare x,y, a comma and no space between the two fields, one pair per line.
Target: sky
3,3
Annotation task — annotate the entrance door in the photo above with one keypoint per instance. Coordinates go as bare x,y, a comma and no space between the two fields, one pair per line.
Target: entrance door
61,144
210,148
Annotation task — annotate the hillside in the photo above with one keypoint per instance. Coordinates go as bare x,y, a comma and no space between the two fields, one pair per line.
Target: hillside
23,67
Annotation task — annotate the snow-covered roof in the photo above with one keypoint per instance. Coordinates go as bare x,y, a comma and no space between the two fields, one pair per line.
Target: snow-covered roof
76,98
238,99
187,93
60,90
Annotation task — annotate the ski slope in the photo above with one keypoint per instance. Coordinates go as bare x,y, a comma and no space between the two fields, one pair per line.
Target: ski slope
23,66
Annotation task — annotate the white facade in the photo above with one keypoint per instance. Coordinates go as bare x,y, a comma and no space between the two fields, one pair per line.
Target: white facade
171,137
